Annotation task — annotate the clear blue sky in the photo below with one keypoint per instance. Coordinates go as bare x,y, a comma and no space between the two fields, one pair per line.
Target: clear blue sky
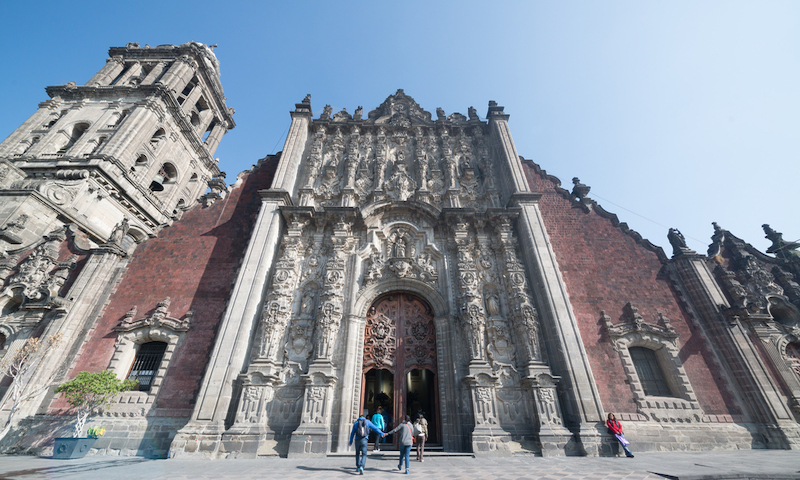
677,114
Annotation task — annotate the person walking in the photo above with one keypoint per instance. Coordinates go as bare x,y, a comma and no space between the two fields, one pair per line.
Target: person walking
615,429
405,440
360,431
421,430
377,420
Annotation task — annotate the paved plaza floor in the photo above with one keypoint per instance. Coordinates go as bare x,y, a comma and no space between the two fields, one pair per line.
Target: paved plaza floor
756,464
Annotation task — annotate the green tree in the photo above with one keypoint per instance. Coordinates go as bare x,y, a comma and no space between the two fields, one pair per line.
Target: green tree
92,391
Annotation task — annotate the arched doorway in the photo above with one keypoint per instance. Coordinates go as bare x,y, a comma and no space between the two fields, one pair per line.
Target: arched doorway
399,371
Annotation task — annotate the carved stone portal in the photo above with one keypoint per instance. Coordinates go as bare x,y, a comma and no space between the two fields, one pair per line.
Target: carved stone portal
400,342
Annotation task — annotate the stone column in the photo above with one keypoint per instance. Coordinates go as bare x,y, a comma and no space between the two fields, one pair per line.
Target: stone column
156,72
565,347
737,352
212,142
130,128
536,376
250,433
134,69
108,73
202,435
179,73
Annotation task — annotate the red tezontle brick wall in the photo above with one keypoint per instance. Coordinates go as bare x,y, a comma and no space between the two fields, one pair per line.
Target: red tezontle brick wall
195,263
604,268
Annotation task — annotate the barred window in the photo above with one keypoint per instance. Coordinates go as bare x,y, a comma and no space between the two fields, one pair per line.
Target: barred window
650,375
145,367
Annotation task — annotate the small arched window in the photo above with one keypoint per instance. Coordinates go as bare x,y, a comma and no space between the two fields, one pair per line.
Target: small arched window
11,306
158,137
77,132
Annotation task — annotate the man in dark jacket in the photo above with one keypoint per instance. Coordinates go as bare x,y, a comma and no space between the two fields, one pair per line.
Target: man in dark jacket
362,438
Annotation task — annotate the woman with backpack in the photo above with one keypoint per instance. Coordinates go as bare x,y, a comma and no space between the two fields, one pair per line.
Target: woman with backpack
405,435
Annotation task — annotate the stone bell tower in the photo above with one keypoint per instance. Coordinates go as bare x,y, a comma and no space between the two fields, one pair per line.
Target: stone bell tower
94,171
135,142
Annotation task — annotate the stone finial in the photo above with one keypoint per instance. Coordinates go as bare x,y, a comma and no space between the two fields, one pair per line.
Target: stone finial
678,242
307,99
129,316
580,190
780,247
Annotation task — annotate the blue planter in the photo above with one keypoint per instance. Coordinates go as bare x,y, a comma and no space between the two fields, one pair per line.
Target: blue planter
65,448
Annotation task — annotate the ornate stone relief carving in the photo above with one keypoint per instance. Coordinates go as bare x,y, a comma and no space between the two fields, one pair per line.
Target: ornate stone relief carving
399,154
402,253
40,275
278,306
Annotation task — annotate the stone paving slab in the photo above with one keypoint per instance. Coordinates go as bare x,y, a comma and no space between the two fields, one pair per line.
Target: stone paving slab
744,464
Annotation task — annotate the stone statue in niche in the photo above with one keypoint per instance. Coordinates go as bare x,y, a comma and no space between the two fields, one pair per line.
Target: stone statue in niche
325,333
376,265
437,188
119,232
273,327
473,321
492,305
363,184
329,188
470,188
307,304
401,186
427,270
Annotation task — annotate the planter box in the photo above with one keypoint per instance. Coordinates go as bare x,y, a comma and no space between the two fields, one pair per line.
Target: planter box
65,448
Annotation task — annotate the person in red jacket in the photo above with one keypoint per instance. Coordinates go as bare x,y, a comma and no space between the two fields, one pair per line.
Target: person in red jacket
615,429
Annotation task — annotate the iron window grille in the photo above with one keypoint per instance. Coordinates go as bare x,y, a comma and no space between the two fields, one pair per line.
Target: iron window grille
145,367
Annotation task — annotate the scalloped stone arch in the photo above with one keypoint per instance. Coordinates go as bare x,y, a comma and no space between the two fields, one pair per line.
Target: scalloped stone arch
430,212
367,297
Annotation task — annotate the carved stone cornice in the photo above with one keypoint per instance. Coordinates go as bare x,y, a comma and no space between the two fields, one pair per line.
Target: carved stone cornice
635,323
159,318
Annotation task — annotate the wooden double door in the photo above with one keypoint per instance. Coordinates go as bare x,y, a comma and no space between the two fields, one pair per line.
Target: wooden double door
399,372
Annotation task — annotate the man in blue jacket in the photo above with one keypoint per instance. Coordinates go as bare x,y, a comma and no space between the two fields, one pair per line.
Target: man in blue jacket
360,431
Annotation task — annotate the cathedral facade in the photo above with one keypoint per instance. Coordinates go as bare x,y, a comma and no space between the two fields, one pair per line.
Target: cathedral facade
384,258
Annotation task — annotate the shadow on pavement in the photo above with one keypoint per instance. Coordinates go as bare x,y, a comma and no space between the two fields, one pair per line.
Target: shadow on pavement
73,468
